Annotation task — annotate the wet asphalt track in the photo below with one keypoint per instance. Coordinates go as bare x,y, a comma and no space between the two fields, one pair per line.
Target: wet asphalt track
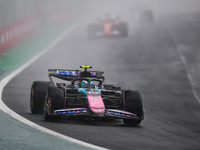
147,60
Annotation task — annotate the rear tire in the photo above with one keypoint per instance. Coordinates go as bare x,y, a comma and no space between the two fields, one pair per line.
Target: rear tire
38,90
133,104
55,96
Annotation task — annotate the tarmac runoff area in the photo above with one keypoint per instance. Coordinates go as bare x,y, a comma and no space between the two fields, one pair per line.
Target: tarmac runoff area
23,134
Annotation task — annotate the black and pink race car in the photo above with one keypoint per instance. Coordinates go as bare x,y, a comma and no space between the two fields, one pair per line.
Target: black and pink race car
108,27
84,94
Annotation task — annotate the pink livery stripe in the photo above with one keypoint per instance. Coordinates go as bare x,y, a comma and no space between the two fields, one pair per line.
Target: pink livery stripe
96,104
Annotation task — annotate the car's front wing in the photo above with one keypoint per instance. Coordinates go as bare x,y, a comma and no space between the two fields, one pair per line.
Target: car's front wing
112,113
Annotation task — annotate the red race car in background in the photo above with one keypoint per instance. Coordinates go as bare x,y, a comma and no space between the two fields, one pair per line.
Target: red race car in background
108,27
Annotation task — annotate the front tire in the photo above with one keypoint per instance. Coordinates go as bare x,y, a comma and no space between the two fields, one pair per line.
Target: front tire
37,96
54,100
133,104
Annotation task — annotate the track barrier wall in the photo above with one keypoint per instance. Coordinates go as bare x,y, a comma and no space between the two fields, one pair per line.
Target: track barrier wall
19,19
16,32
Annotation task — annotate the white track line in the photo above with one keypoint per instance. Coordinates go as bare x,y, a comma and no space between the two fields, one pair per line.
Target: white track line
8,111
189,76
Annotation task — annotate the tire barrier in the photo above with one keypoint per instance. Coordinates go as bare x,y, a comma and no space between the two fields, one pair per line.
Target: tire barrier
12,34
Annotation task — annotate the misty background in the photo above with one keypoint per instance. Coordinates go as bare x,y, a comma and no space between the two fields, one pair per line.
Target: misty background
13,10
160,57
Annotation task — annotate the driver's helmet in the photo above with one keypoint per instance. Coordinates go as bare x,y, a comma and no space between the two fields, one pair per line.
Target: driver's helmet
85,84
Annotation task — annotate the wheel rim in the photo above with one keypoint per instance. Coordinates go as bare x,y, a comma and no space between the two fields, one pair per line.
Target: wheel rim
45,109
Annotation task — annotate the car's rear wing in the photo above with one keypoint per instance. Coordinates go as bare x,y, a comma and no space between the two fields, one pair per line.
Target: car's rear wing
71,74
64,72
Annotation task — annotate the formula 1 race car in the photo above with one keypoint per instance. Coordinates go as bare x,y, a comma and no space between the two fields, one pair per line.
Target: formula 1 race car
108,27
84,95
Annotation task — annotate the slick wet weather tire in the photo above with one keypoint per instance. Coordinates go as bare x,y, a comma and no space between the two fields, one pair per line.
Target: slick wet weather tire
37,96
133,104
54,100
